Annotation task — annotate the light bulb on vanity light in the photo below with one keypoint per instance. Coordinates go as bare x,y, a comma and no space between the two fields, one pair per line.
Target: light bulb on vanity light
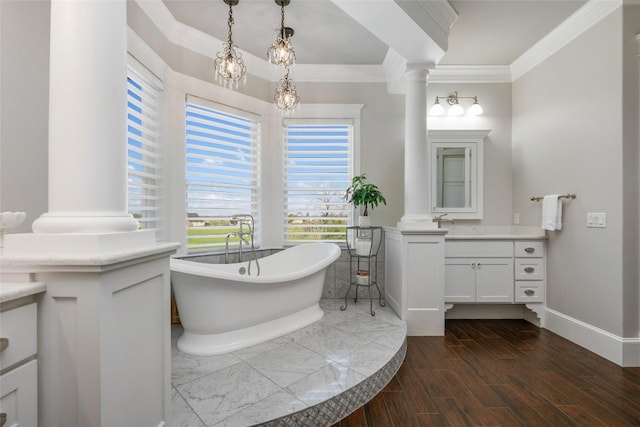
436,109
475,109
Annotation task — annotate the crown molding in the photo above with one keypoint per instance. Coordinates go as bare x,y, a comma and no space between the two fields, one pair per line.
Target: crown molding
470,74
583,19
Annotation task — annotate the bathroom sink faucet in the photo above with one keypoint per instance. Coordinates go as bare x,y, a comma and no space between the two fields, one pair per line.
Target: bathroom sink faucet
440,219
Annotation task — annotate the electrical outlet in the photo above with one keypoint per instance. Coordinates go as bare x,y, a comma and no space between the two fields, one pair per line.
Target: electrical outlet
596,219
516,218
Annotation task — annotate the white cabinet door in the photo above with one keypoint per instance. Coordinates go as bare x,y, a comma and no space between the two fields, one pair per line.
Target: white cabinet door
19,395
459,280
494,279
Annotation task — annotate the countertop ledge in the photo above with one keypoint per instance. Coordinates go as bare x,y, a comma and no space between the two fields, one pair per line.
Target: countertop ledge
494,237
495,232
14,290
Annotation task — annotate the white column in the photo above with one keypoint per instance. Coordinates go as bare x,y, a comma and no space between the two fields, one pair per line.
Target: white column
416,158
87,119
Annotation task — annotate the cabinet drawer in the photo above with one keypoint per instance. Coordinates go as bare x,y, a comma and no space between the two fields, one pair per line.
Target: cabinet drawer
485,249
19,395
529,269
531,249
528,291
18,325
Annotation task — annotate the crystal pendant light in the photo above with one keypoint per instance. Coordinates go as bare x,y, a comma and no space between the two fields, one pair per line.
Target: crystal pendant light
281,50
229,65
286,97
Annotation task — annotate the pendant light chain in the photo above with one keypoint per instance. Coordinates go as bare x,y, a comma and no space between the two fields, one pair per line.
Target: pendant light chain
229,24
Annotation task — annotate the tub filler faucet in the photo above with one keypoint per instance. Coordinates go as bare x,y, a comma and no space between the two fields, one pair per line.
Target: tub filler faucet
246,223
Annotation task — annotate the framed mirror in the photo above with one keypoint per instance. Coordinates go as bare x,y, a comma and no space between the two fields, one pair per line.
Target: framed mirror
457,158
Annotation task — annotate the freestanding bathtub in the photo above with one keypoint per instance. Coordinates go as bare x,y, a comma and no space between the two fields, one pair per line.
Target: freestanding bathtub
223,310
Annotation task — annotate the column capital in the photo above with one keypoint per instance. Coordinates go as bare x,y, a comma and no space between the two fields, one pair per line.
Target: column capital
418,72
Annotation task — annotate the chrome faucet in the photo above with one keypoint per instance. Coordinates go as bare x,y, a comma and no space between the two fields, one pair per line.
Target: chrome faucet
246,223
440,219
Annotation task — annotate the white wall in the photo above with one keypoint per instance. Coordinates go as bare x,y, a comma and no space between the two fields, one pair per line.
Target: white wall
24,109
567,137
495,99
631,165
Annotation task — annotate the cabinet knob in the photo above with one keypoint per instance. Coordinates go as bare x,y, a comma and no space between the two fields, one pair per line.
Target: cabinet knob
529,269
4,343
529,250
3,419
529,292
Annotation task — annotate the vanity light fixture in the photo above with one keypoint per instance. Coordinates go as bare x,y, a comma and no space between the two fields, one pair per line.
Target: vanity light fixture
456,109
229,65
281,50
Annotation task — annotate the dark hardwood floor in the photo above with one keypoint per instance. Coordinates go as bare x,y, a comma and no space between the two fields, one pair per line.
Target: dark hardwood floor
502,373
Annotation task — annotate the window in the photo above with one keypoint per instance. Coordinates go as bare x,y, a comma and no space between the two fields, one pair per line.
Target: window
221,173
143,151
317,172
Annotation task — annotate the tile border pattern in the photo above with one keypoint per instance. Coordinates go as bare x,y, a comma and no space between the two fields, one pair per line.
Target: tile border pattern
341,405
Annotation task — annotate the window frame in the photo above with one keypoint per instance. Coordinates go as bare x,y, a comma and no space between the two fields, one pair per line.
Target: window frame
343,206
221,224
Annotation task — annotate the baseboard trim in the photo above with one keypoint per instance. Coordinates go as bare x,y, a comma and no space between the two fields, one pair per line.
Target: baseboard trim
621,351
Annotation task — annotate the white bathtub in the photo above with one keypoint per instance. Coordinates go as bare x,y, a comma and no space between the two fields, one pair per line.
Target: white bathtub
222,310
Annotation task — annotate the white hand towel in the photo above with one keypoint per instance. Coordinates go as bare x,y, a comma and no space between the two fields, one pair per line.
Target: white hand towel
552,212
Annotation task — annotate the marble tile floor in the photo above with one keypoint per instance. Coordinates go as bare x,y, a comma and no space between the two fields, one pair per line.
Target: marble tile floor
287,375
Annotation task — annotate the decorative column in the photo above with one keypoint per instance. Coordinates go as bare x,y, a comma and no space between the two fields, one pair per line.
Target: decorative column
104,355
87,119
416,157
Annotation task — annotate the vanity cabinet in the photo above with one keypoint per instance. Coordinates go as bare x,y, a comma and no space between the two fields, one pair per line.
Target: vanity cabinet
479,272
494,271
18,364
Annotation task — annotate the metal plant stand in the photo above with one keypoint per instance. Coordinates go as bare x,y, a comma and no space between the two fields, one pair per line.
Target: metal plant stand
363,244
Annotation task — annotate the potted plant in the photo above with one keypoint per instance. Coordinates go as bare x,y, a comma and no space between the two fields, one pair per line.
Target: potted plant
362,193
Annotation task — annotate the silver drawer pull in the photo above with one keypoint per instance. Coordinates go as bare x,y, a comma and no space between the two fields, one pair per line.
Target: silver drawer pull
529,250
529,269
4,343
529,292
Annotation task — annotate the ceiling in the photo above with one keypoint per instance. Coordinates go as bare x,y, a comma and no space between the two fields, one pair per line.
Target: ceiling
486,32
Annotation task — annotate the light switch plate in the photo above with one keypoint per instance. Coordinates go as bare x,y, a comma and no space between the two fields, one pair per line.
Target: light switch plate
596,219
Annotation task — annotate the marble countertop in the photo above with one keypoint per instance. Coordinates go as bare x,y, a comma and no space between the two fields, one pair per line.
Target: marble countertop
494,232
14,290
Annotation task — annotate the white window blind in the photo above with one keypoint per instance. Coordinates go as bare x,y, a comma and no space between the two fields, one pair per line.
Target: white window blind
144,155
317,172
221,173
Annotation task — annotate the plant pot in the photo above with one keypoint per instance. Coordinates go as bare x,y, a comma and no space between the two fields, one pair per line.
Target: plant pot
364,221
